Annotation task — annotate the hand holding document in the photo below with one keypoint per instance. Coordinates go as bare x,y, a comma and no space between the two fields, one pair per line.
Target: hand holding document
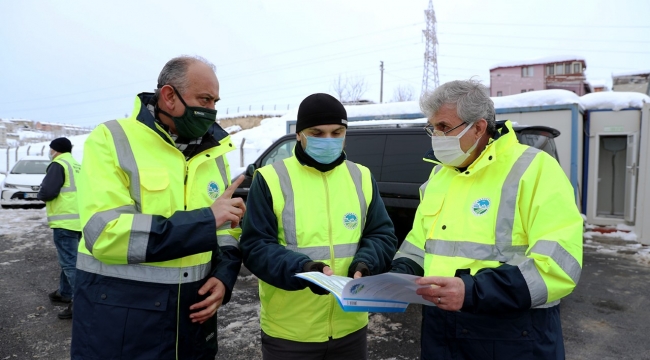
388,292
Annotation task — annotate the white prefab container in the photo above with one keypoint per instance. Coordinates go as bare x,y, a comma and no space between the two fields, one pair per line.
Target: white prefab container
568,119
642,218
612,140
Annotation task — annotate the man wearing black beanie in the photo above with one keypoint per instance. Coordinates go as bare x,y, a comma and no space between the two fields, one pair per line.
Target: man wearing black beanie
59,192
314,211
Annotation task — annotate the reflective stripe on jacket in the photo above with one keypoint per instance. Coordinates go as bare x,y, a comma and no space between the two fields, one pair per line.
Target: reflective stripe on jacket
513,205
321,215
63,210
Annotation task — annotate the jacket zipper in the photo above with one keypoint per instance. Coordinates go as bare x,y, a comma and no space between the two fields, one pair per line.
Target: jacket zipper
332,257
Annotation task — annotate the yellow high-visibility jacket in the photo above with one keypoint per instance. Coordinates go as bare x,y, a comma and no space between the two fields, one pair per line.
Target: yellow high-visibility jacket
512,210
321,215
149,241
63,210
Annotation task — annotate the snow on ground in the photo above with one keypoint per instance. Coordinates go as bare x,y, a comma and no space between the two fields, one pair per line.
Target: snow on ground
622,235
616,239
15,223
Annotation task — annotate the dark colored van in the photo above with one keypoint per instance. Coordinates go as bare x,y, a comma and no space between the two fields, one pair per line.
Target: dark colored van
394,154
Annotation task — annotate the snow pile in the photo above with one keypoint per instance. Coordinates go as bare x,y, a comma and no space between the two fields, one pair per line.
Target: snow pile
251,113
614,100
619,232
255,141
395,109
383,110
411,122
232,129
620,235
36,148
537,98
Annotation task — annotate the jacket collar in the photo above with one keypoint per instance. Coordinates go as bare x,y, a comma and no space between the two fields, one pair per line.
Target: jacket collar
504,133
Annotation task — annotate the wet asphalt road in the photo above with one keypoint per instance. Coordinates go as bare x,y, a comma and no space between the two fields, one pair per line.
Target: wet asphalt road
607,317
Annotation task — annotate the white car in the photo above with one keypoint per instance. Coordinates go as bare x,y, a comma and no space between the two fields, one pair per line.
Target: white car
22,183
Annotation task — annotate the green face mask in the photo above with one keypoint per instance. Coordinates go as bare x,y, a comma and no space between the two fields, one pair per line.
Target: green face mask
194,122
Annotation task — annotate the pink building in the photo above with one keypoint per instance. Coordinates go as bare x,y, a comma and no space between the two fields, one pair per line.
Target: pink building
559,72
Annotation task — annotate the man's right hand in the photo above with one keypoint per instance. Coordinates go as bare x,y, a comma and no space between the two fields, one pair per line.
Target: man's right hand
225,208
320,267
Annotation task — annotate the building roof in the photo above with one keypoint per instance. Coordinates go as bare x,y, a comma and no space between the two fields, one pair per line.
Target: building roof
632,73
544,60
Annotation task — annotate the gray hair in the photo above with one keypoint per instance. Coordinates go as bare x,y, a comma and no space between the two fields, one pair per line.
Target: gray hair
175,72
469,97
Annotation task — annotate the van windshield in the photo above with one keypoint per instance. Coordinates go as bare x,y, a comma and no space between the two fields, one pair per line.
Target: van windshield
30,167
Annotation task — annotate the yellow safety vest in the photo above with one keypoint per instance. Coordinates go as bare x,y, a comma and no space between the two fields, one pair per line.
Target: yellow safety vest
513,205
63,210
321,215
138,174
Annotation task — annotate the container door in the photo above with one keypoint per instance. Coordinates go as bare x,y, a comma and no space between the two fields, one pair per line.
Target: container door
631,169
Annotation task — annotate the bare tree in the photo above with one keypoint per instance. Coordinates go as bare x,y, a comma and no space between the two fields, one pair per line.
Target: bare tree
357,86
403,93
350,89
338,86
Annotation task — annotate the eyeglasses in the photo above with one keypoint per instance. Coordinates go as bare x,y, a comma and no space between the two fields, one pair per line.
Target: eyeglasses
433,132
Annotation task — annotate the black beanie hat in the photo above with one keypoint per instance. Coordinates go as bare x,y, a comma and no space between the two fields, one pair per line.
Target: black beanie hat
320,109
62,145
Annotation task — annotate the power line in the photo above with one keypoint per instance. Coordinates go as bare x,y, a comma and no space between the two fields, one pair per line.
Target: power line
545,38
546,48
318,45
550,25
77,93
70,104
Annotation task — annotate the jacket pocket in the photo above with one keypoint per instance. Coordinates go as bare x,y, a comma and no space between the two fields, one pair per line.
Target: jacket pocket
501,337
131,319
432,204
430,210
155,192
154,179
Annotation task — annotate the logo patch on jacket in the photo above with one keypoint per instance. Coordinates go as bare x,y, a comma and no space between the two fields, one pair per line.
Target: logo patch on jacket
213,190
350,221
481,206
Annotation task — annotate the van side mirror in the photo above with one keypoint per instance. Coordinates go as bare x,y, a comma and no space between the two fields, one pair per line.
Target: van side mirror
250,170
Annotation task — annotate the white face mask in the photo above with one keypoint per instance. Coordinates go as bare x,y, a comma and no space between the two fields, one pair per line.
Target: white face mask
447,148
50,155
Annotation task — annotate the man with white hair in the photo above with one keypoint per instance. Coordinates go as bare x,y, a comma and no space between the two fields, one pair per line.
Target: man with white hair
497,236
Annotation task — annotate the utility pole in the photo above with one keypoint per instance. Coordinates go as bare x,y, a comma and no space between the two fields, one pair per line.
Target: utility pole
381,87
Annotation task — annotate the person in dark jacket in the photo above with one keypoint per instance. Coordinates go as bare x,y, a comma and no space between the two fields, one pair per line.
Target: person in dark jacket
314,211
59,192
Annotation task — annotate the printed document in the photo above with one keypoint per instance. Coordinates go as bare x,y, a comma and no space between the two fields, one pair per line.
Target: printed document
388,292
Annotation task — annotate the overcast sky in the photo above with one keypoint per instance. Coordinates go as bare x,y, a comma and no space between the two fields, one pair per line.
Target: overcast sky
82,62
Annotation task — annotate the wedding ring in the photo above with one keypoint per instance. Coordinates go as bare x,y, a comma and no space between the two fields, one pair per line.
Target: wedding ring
438,299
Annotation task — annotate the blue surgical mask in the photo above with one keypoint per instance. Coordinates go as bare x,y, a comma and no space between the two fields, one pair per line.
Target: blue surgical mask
324,150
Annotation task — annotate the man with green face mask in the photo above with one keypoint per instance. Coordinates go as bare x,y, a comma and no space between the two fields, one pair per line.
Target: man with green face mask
159,253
